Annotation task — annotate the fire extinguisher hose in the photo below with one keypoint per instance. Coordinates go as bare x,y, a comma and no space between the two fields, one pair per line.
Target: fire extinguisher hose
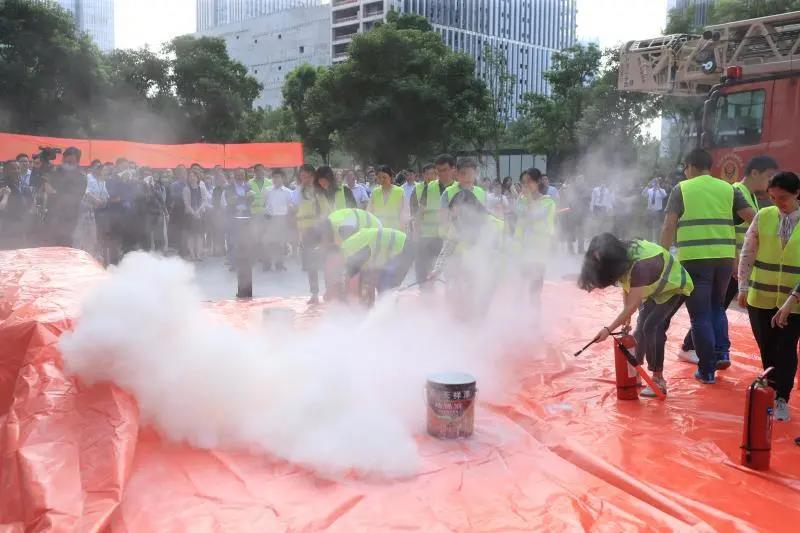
641,371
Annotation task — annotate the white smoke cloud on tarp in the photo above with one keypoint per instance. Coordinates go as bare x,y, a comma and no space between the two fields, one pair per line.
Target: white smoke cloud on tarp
346,394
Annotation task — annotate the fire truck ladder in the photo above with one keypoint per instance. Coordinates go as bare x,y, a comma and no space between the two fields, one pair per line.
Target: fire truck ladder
686,64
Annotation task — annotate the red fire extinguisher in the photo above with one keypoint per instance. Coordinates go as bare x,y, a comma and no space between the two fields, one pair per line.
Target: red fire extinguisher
758,416
627,376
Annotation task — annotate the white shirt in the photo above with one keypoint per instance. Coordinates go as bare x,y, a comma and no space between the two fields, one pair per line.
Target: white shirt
497,204
655,198
279,201
408,189
360,195
552,192
602,198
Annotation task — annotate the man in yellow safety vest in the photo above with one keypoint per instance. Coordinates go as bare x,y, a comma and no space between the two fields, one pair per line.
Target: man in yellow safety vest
701,216
428,219
758,172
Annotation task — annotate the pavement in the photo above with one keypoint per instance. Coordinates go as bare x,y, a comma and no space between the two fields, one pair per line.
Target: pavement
217,282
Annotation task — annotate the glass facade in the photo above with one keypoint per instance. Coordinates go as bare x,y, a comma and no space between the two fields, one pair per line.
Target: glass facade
701,9
95,18
213,13
527,32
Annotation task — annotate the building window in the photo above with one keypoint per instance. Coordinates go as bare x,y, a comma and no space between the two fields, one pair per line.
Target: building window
279,68
255,41
302,49
279,36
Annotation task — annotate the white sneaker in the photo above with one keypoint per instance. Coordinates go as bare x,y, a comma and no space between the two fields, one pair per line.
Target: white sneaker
781,410
688,356
660,383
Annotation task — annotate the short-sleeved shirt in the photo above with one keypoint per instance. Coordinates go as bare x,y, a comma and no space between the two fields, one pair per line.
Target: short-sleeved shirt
675,203
647,271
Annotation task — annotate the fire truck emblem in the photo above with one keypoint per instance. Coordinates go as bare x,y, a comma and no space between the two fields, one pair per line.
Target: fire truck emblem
731,168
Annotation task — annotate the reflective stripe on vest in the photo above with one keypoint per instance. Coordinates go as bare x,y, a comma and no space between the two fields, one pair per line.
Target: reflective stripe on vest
705,229
388,209
353,219
776,270
741,229
673,279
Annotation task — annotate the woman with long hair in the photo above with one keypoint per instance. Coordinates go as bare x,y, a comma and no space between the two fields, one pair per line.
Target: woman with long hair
331,195
769,284
652,280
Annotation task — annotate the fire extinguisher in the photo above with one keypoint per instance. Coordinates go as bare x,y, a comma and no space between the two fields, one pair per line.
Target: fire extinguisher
758,416
627,376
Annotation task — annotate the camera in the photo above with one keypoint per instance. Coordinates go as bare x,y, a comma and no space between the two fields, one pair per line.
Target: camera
46,156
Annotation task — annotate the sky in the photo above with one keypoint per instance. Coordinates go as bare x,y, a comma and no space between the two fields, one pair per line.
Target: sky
153,22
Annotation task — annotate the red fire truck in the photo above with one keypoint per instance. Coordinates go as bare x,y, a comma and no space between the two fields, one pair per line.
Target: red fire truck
750,72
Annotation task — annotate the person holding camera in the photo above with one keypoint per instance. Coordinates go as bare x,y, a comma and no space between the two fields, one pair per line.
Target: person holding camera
64,191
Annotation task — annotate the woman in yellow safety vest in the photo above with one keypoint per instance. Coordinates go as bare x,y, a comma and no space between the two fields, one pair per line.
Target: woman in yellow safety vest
381,256
652,280
534,229
769,284
387,199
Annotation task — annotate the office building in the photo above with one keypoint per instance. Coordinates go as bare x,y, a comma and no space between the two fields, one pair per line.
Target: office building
702,9
213,13
526,31
94,18
272,45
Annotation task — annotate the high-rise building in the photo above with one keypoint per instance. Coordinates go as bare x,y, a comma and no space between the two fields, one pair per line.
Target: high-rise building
93,17
273,44
213,13
527,32
702,9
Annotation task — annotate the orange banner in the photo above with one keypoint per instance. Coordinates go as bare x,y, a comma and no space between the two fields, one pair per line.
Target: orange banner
271,155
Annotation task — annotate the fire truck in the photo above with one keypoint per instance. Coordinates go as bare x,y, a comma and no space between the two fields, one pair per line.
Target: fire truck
748,71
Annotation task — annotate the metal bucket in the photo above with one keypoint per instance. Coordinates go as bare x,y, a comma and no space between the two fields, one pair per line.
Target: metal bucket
451,405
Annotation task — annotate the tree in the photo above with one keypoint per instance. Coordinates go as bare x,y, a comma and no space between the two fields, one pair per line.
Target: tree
682,21
309,111
271,125
396,94
731,10
50,76
214,91
555,117
500,92
613,121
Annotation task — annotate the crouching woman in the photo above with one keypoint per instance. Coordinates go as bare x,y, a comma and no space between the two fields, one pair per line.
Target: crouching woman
652,281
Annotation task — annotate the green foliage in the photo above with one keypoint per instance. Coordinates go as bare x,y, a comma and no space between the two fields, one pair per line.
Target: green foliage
54,81
401,93
49,76
309,111
496,113
682,21
271,125
555,118
731,10
214,91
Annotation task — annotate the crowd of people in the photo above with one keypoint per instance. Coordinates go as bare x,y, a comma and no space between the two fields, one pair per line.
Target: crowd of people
704,244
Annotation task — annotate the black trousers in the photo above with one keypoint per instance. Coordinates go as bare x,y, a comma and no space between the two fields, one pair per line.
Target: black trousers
428,249
651,330
778,347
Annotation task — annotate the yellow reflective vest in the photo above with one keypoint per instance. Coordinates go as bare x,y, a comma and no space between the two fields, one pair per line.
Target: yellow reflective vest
384,244
673,279
389,208
776,271
258,194
705,229
741,229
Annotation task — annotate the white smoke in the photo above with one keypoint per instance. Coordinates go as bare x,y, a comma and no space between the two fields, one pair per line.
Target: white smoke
348,393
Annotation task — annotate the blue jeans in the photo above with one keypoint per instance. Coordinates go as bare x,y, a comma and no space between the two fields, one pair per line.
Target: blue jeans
706,306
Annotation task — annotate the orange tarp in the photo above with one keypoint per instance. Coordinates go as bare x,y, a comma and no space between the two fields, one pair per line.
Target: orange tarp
273,155
564,454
